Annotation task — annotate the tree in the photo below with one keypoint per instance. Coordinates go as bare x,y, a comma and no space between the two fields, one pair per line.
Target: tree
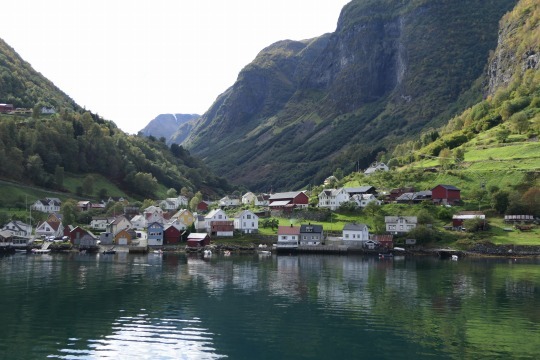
519,122
531,201
88,184
445,157
59,176
459,155
195,200
34,167
500,201
69,212
502,135
171,193
372,208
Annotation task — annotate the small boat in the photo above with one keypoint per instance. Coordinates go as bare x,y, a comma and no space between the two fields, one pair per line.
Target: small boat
158,252
109,252
227,253
207,253
41,251
385,255
454,258
265,252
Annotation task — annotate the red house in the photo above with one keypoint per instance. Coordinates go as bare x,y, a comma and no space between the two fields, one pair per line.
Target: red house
288,200
5,108
196,240
446,194
202,206
172,235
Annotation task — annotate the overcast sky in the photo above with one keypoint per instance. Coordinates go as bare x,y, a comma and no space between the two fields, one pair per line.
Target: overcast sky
130,60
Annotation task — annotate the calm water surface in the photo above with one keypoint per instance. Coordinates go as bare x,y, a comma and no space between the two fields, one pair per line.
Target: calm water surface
279,307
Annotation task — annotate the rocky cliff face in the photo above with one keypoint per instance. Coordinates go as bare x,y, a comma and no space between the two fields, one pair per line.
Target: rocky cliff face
518,46
303,108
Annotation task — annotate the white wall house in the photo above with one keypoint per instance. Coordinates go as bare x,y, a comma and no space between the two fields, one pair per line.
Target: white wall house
400,224
228,201
100,223
153,214
364,199
249,198
376,166
138,222
333,198
47,205
18,228
355,234
49,228
214,215
247,222
118,224
288,237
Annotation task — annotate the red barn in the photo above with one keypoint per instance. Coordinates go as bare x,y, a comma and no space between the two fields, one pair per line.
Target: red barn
172,235
288,200
202,206
446,194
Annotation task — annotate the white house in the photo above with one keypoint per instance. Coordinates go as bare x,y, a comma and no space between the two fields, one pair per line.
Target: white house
47,205
100,223
376,166
247,222
228,202
355,234
171,204
138,222
50,228
288,237
118,224
262,200
153,214
18,228
364,199
214,215
400,224
249,198
333,198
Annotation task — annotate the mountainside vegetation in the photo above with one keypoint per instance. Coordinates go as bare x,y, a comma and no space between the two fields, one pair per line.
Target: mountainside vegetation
302,109
45,149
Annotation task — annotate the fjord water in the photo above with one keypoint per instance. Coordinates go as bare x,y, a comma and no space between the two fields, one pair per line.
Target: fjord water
122,306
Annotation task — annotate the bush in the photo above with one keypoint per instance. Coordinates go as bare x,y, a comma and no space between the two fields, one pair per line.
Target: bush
476,225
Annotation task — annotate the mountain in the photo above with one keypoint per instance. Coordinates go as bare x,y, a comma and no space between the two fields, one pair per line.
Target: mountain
302,109
37,149
23,87
166,124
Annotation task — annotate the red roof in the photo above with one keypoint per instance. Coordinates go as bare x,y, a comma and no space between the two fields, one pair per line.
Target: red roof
288,230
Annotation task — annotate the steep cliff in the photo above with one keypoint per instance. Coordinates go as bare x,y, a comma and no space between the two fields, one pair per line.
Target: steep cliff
303,108
164,125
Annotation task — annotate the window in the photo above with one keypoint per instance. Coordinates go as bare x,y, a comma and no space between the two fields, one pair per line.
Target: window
248,216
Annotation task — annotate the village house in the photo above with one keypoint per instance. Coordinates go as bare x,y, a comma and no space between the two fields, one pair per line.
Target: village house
203,206
84,205
364,199
47,205
125,237
50,228
384,240
287,201
6,108
311,235
18,228
81,237
333,198
138,222
361,190
172,204
184,216
100,223
262,200
460,217
228,202
400,224
246,222
376,166
355,235
119,223
214,215
446,195
288,237
172,234
197,240
153,214
414,198
395,193
6,239
249,198
222,228
155,234
200,223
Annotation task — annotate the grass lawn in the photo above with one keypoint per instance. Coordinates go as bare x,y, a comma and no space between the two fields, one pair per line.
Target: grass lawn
515,237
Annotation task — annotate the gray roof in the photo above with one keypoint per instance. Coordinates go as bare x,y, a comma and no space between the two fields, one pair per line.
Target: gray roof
314,228
355,227
285,195
359,190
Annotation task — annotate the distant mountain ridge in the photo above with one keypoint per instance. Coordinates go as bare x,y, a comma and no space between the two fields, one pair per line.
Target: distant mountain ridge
167,126
302,109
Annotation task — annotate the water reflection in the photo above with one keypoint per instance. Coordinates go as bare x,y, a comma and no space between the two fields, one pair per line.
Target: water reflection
144,337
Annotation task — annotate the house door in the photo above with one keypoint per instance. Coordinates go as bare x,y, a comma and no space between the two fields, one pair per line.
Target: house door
122,241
